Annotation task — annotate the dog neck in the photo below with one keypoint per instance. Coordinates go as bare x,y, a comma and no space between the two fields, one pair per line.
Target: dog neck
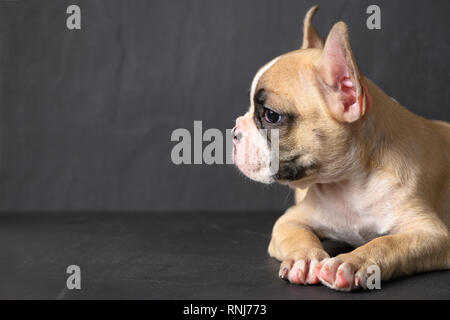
384,133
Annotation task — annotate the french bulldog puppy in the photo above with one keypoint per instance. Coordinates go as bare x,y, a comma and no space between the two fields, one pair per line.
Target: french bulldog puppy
365,170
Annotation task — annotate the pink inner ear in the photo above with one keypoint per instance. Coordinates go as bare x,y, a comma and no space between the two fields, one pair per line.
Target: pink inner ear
348,92
335,69
338,70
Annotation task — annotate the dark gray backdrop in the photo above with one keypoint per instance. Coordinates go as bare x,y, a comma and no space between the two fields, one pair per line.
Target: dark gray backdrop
86,116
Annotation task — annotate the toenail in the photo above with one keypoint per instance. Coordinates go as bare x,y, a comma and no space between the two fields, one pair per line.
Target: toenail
284,272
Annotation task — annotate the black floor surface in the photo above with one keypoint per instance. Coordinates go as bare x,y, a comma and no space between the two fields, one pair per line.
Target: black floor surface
181,255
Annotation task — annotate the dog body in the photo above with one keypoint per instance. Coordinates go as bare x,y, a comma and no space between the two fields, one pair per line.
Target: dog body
366,171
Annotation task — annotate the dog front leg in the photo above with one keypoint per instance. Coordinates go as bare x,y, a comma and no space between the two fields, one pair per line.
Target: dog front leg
295,244
394,255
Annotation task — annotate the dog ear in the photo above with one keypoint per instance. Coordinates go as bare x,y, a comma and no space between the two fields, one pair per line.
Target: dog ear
340,74
311,38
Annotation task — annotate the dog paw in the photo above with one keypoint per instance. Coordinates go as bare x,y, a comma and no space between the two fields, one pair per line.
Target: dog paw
343,273
300,269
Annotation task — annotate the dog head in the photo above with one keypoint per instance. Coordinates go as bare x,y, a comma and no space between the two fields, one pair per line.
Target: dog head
314,99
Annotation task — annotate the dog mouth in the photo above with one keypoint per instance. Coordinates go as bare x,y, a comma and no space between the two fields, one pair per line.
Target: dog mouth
289,170
293,172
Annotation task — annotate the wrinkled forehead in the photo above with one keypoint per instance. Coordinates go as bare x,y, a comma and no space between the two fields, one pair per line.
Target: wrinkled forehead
283,76
255,83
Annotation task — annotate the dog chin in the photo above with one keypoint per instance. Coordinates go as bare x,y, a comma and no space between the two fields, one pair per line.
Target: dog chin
254,167
262,175
265,176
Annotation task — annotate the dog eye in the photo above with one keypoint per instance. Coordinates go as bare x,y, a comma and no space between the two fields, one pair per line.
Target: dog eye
271,116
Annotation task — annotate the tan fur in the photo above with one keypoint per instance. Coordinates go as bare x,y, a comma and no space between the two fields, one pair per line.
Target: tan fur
311,38
383,184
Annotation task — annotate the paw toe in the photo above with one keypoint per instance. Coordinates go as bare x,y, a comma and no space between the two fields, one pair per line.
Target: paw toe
328,271
298,272
311,278
285,268
344,276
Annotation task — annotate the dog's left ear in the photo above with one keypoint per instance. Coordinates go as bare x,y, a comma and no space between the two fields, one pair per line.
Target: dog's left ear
311,38
341,76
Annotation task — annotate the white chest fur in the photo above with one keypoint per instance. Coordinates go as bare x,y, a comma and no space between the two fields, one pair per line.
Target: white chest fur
353,212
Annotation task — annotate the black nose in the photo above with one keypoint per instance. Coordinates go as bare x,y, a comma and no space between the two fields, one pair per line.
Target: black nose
236,135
